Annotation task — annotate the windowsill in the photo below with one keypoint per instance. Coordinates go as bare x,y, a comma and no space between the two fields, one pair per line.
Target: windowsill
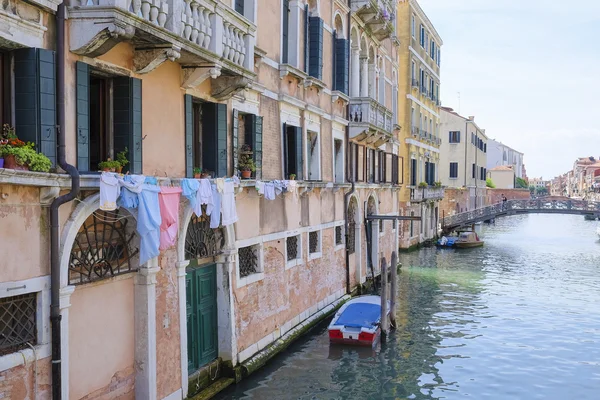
25,356
314,256
339,247
250,279
293,263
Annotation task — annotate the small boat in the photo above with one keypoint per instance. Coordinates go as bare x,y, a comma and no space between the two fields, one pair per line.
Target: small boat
446,241
589,217
357,322
467,240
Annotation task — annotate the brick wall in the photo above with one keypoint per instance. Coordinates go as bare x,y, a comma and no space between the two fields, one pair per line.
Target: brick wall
269,109
454,201
495,195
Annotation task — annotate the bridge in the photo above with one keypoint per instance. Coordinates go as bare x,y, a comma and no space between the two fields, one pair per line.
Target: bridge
517,207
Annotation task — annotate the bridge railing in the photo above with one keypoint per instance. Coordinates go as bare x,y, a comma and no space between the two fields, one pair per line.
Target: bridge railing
539,205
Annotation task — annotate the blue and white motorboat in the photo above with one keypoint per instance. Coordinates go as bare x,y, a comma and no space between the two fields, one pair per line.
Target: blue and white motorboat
445,241
357,322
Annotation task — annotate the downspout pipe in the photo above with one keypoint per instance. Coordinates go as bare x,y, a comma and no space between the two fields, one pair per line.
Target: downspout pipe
55,317
350,177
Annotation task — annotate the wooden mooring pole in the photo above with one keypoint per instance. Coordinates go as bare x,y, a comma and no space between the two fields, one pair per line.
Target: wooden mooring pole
384,301
393,289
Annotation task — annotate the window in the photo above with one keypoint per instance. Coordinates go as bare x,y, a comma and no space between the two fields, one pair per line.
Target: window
314,244
422,36
439,57
315,47
395,168
109,118
423,83
239,6
413,172
454,137
453,170
18,322
292,143
248,261
485,147
247,131
338,160
206,137
474,171
313,152
341,71
413,25
413,71
285,34
293,248
339,236
5,89
432,50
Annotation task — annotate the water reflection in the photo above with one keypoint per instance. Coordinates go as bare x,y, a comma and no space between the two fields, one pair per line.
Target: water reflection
516,319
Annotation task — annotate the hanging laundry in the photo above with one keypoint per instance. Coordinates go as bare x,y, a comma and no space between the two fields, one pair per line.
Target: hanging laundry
151,180
269,191
148,223
260,187
228,208
169,211
292,188
109,191
220,184
131,186
236,180
190,190
204,196
215,216
278,187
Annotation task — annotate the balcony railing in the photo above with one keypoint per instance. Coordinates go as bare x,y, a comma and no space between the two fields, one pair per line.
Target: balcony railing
378,15
427,193
415,83
370,120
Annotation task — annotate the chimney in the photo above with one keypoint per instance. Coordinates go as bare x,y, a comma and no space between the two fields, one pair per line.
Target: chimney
472,118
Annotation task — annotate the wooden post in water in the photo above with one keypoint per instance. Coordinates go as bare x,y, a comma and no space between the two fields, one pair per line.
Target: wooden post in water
393,289
384,288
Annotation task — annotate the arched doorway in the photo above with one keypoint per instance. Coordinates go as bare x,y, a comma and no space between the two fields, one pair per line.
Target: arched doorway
372,238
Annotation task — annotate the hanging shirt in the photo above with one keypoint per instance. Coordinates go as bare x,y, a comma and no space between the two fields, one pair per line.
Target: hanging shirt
204,196
190,190
292,188
169,211
228,209
260,187
131,186
148,223
109,191
220,184
269,191
215,216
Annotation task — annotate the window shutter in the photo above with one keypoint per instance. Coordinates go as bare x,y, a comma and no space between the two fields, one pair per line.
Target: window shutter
127,120
189,136
83,116
286,143
234,140
35,99
214,152
341,67
258,142
286,30
316,47
458,140
239,6
299,154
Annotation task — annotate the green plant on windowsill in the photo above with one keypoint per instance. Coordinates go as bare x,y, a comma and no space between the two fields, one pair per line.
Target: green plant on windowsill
438,185
27,157
122,157
246,165
292,177
423,185
109,165
197,172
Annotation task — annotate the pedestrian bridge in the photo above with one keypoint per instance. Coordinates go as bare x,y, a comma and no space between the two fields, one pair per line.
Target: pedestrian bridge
516,207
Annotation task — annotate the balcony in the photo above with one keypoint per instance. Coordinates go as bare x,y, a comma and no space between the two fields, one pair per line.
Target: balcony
378,15
208,38
427,193
370,122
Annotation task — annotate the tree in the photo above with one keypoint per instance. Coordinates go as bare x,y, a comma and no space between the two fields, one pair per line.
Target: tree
520,183
489,183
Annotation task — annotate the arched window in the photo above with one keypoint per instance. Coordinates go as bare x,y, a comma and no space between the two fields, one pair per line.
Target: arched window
201,241
105,246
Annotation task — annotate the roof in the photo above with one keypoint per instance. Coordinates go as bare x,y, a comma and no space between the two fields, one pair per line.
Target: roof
502,168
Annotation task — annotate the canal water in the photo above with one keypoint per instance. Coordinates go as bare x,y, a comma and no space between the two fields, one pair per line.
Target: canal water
516,319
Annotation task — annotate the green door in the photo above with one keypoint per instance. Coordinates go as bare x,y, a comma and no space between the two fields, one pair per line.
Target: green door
201,308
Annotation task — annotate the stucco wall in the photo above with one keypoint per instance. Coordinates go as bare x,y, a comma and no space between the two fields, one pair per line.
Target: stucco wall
502,179
20,382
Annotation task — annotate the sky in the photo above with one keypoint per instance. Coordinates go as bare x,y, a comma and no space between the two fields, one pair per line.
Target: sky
528,70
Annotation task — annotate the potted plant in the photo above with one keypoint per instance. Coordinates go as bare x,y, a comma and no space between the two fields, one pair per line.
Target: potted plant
197,172
22,156
122,159
423,185
438,185
246,165
292,177
109,165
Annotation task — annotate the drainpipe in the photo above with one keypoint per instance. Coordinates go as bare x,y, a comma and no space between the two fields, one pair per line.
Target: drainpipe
55,316
348,178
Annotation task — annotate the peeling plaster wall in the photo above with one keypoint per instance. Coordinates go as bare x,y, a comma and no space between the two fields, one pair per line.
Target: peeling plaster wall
19,382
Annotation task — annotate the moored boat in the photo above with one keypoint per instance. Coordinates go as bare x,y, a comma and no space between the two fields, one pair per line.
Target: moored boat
446,241
598,232
357,322
467,240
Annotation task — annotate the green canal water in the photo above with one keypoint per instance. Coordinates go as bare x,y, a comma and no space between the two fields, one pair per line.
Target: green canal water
516,319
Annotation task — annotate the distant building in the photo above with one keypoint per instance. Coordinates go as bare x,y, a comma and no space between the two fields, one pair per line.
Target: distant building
503,177
463,155
499,154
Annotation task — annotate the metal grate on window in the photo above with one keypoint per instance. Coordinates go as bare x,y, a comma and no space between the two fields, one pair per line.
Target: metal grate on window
103,248
338,235
17,323
248,257
292,248
313,242
200,240
351,244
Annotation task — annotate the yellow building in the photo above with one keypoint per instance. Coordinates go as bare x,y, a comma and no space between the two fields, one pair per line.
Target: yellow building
418,110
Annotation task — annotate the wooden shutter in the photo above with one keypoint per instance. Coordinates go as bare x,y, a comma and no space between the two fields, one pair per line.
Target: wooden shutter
214,148
298,153
413,172
127,120
286,31
253,137
234,140
189,135
341,65
35,99
82,78
315,62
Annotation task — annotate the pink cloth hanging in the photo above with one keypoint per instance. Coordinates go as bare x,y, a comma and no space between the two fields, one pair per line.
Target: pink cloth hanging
168,200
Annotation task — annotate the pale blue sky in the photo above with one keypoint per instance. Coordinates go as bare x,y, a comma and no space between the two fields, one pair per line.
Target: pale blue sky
528,70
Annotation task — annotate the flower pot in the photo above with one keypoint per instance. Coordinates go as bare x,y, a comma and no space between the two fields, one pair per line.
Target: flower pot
197,176
1,162
246,174
119,169
204,176
11,162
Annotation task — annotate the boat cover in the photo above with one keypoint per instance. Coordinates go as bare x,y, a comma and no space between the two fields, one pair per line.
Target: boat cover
360,315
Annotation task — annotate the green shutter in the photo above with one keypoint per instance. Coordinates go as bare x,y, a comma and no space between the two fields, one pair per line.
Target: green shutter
127,120
191,324
82,72
285,31
258,146
189,135
315,61
234,140
35,99
214,149
298,153
206,313
341,65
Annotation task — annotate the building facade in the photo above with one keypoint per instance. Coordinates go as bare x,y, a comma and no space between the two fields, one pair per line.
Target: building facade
463,157
180,87
500,154
419,110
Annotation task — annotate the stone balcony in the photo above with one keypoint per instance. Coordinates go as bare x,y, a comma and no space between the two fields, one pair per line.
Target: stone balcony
207,37
378,15
370,121
428,193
